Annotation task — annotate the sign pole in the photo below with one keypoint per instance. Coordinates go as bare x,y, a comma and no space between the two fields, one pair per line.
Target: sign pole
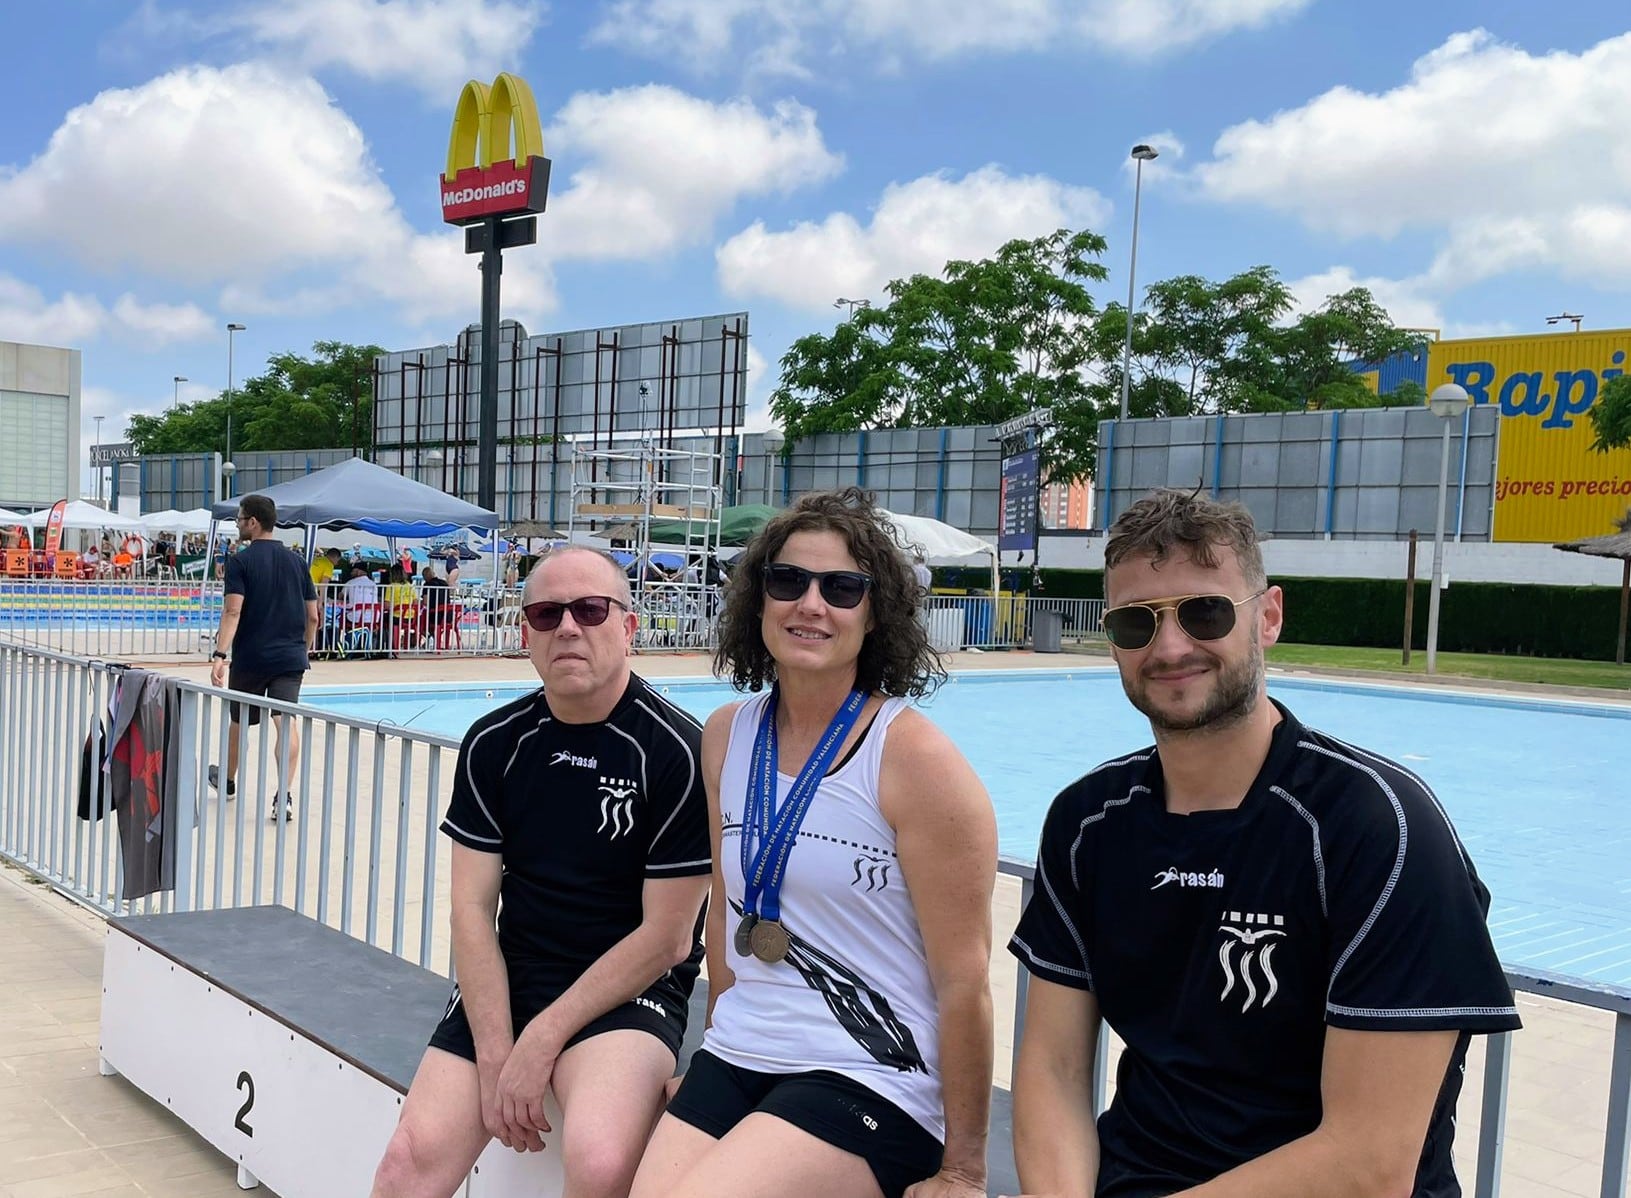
492,270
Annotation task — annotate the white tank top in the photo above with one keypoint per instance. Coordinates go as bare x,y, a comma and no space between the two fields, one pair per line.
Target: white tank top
854,995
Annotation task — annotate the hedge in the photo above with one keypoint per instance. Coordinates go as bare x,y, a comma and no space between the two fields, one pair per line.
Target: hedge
1475,617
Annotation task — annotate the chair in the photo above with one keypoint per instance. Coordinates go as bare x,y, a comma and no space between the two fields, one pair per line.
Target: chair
16,563
405,627
362,628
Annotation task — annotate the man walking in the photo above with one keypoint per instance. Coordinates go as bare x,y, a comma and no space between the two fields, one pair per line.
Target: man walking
1284,929
268,624
579,818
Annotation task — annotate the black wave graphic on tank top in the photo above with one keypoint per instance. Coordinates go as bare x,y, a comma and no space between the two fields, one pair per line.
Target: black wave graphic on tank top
860,1010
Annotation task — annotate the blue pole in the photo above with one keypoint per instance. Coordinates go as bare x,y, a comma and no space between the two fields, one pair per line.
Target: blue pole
1108,470
1331,480
940,484
860,459
1217,458
1461,487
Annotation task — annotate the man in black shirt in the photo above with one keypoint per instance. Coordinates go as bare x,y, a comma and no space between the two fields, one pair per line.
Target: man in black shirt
1284,929
268,624
579,818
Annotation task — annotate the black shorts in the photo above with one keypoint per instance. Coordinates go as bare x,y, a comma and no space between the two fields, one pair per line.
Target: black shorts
283,687
715,1097
661,1011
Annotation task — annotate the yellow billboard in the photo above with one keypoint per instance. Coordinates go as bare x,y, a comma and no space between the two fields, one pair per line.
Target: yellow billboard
1549,483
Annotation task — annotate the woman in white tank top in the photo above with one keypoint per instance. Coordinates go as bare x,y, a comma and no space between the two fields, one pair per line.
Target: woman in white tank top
849,932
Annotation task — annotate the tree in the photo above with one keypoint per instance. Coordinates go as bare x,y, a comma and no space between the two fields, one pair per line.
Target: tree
983,342
1611,415
299,403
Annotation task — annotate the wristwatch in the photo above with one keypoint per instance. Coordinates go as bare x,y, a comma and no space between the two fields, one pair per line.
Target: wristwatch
218,654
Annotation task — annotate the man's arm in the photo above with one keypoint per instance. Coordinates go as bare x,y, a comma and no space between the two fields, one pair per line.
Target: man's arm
484,983
311,624
716,734
946,835
1378,1090
231,609
1056,1141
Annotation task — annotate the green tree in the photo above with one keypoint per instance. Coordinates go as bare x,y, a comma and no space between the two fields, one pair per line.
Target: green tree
1306,364
1611,415
299,403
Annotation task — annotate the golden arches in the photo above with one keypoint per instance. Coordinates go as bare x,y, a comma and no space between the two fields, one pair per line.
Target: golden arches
485,121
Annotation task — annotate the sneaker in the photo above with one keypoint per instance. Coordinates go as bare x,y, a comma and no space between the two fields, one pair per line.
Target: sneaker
215,782
288,808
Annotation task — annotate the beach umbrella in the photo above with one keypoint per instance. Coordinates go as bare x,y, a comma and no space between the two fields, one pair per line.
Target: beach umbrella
1615,545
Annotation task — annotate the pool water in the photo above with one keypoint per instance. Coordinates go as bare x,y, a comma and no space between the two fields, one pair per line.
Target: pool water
1537,789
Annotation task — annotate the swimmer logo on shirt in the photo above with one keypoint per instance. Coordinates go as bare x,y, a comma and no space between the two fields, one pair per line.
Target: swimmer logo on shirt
1257,936
617,797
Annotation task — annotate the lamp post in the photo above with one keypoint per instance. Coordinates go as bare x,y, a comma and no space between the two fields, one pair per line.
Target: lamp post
1448,401
773,442
851,304
96,457
1575,317
231,329
175,392
1141,155
434,460
227,471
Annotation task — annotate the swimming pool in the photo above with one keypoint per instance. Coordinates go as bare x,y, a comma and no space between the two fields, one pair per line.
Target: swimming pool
1538,789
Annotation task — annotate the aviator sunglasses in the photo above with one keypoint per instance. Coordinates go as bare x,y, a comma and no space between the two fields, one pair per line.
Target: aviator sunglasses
1202,617
839,588
588,612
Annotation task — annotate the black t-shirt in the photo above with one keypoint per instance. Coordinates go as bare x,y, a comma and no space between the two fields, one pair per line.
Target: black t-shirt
1221,944
582,814
276,585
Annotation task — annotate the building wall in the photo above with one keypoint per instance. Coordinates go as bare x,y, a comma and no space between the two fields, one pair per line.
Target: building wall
39,425
1360,474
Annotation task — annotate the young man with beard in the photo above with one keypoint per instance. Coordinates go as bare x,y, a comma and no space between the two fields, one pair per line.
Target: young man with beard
580,823
1283,928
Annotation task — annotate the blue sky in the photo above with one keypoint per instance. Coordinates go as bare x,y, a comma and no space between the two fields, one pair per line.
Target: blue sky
165,169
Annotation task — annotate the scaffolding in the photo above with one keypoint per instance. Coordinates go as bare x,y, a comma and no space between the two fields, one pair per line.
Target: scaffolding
619,492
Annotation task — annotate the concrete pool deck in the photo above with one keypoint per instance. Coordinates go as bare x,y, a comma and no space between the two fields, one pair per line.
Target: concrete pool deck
66,1131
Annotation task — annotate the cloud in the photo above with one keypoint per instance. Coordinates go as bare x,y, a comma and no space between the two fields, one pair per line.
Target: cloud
435,45
1169,149
26,315
1515,159
784,36
1410,302
661,167
915,228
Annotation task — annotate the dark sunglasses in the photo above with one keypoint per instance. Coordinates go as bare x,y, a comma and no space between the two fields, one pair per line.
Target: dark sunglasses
839,588
588,612
1202,617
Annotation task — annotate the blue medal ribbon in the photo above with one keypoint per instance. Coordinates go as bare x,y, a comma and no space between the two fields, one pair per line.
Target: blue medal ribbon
776,828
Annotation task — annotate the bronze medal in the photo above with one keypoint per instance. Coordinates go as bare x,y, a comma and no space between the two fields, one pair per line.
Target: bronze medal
769,941
744,934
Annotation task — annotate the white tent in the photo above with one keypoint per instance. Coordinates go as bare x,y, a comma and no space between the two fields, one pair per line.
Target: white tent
941,544
170,520
7,516
80,514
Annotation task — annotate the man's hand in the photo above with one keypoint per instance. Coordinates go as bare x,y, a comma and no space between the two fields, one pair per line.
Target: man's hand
948,1183
522,1084
218,673
487,1073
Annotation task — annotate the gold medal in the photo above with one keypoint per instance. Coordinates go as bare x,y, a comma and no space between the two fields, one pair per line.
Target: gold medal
744,934
769,941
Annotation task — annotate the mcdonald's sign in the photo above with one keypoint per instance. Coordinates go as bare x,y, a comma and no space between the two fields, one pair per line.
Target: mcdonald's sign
485,176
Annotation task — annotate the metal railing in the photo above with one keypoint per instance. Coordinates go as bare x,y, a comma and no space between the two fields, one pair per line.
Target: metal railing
1006,621
110,617
1497,1061
360,851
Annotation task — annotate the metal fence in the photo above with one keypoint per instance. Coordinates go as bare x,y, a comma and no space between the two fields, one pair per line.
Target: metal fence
112,618
1006,621
1497,1061
359,851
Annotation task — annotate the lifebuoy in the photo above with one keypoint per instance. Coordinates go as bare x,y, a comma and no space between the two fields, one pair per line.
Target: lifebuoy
131,539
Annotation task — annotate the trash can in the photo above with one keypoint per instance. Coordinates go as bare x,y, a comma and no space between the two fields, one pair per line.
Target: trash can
1047,630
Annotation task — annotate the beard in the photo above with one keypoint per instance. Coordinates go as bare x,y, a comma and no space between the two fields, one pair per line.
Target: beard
1234,694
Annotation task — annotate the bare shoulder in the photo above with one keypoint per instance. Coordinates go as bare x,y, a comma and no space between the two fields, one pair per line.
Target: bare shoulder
921,762
716,730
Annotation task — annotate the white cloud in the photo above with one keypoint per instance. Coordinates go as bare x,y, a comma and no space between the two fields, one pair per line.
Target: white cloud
436,45
661,167
1517,159
783,36
915,228
26,315
1410,303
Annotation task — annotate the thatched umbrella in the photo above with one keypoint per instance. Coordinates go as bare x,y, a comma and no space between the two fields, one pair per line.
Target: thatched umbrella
1615,544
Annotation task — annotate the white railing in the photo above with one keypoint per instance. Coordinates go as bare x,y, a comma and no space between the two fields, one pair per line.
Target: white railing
111,618
1006,621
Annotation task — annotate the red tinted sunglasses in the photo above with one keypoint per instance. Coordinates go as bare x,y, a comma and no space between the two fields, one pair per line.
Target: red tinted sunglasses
588,612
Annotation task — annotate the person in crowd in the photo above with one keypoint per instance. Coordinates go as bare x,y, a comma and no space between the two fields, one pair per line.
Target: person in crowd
91,564
268,624
583,990
399,600
451,563
854,855
435,602
323,566
1294,988
362,609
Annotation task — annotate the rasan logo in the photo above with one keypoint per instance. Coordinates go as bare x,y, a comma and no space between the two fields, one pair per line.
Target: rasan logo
565,758
617,797
1169,877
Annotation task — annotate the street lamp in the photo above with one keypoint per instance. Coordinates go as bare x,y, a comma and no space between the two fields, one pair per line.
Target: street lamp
851,304
227,471
773,442
231,329
1576,317
96,456
434,460
175,393
1141,155
1448,401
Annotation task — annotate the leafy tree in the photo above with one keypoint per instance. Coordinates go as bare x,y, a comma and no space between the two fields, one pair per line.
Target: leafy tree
1611,415
299,403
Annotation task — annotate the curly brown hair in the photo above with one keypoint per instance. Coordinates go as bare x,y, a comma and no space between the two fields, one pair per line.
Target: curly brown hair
1167,521
896,657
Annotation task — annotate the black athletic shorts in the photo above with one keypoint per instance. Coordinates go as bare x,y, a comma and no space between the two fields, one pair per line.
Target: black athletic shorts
900,1151
661,1011
283,687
